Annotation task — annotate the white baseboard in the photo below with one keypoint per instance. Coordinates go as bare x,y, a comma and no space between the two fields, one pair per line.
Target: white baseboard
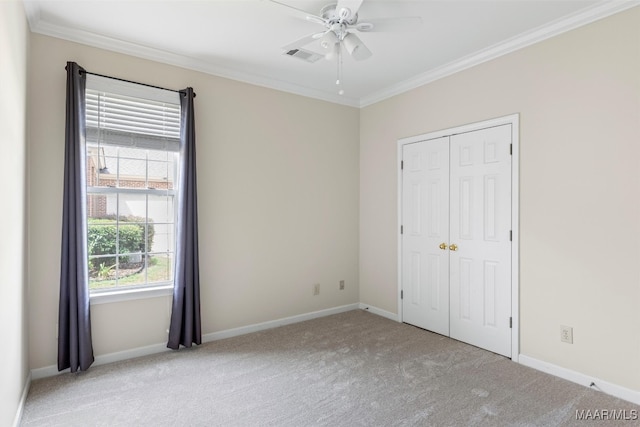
379,311
49,371
582,379
23,400
214,336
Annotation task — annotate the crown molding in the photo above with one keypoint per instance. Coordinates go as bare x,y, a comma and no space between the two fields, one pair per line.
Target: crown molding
38,26
586,16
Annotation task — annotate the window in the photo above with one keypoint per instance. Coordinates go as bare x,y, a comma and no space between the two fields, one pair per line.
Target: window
132,149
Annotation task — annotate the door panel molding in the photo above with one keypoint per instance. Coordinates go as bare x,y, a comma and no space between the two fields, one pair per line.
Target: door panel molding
489,157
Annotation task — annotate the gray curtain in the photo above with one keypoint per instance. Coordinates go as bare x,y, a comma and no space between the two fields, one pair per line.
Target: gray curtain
75,350
185,315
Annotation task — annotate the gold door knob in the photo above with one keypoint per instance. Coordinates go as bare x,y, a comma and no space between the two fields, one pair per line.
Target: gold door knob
443,246
453,247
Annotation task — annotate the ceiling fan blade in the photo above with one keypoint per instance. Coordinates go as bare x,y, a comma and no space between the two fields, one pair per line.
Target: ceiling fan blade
356,48
303,41
308,16
350,6
409,23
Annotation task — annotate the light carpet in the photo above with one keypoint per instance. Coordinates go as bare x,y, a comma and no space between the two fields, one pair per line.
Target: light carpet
349,369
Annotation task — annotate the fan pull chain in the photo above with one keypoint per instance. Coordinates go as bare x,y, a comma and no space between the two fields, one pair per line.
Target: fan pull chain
340,91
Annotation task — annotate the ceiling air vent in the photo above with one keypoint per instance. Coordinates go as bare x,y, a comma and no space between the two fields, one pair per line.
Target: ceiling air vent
305,55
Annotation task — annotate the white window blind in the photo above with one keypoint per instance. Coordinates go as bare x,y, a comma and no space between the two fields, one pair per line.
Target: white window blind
116,116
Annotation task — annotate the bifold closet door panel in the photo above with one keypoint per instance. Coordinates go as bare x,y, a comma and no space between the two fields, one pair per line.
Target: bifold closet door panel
480,226
425,219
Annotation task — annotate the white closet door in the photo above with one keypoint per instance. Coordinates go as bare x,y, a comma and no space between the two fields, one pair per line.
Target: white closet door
480,281
425,219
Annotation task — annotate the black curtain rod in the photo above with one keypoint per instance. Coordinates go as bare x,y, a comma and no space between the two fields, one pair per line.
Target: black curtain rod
131,81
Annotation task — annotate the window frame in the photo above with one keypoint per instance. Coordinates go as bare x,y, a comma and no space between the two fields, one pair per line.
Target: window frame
145,290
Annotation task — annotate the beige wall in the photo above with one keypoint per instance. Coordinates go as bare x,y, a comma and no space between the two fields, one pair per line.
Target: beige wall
278,202
14,369
578,96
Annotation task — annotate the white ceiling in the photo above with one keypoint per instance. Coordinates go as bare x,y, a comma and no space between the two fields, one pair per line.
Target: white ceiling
243,39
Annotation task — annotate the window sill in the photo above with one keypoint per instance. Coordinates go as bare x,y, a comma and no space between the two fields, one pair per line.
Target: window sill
130,294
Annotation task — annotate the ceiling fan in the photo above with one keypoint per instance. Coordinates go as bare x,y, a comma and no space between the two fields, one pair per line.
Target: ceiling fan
340,20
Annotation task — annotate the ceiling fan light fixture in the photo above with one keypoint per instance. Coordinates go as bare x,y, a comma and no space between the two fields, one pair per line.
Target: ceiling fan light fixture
333,52
351,43
328,40
355,47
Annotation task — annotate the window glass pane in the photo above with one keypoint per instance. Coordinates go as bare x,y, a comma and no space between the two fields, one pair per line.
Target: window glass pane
132,205
102,272
163,156
132,240
108,165
98,173
102,248
102,206
101,240
160,209
161,237
131,271
105,178
132,168
109,152
160,268
93,165
160,175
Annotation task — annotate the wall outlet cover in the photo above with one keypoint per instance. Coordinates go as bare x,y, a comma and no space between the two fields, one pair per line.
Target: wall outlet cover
566,334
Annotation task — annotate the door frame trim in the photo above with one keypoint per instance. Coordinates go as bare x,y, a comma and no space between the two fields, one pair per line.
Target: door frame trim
514,121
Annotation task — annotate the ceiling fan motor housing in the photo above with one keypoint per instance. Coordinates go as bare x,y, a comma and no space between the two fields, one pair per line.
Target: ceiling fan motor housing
330,14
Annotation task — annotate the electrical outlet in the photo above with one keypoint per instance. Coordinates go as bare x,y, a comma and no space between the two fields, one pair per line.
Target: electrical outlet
566,334
342,285
316,289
